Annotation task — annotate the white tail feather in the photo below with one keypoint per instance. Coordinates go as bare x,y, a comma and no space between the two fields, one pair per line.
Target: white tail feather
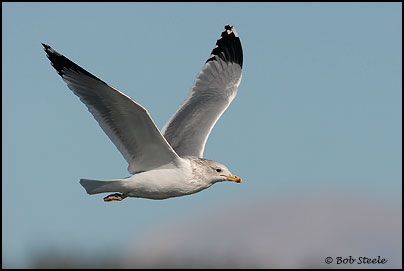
95,187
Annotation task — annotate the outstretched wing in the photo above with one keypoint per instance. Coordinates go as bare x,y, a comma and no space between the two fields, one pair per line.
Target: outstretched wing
127,123
212,92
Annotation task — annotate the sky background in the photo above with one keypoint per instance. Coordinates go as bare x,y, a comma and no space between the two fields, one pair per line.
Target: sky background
318,115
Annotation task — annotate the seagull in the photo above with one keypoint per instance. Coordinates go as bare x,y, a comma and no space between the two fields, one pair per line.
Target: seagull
169,163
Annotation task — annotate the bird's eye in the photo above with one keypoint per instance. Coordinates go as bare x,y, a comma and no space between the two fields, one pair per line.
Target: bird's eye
218,170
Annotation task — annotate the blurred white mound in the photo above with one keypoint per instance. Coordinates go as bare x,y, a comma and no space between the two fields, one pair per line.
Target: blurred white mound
276,234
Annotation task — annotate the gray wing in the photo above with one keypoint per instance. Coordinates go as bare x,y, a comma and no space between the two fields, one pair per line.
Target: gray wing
212,92
127,123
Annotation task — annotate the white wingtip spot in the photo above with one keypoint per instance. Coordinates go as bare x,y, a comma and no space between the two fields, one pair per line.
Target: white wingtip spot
235,32
229,29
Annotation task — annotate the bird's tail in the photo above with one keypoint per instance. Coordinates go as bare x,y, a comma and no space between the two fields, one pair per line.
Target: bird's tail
95,187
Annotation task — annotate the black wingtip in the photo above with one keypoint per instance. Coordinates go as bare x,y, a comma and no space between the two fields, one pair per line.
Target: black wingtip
61,63
228,47
228,27
55,58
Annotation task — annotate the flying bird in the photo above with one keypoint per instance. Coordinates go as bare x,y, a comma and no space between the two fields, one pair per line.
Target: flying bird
168,163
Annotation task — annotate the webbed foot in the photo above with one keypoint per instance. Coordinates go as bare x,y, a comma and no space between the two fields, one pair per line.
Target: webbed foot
115,197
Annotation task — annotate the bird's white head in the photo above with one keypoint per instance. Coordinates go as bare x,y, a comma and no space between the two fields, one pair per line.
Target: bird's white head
213,171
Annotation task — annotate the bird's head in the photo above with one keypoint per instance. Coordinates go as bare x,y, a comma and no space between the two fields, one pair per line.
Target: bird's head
223,174
216,172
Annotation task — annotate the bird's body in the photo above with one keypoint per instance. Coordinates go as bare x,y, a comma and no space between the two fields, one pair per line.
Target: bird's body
186,176
167,164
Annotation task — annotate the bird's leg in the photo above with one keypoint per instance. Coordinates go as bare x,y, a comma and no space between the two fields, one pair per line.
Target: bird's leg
115,197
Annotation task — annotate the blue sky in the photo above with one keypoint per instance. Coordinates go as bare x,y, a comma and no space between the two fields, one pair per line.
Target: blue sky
318,109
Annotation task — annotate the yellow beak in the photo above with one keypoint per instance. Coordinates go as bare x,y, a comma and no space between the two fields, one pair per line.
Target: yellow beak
234,178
